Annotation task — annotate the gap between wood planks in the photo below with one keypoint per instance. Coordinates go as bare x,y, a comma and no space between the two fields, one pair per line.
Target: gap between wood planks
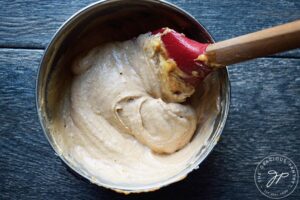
28,48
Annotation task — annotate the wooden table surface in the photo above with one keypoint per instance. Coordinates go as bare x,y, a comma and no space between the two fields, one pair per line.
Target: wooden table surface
264,114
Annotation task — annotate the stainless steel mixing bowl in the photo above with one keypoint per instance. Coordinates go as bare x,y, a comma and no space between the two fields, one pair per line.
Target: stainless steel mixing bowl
113,20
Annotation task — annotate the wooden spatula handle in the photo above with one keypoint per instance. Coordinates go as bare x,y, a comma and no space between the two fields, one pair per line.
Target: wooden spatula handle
253,45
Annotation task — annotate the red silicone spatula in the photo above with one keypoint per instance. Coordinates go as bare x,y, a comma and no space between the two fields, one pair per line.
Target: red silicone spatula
200,59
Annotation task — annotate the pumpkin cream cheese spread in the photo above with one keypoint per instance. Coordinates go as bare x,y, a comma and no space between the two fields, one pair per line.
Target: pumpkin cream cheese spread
126,117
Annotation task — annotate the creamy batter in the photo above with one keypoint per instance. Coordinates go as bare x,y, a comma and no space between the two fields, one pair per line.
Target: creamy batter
119,123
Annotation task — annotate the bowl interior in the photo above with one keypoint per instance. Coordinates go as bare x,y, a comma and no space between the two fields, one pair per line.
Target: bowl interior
113,21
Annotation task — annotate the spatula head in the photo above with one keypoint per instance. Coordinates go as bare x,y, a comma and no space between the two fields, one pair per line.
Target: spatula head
184,52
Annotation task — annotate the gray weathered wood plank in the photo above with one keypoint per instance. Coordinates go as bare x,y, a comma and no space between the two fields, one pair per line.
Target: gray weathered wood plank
264,118
31,23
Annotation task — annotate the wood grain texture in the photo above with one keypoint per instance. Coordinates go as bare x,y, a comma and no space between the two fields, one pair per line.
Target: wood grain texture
31,23
264,114
264,118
